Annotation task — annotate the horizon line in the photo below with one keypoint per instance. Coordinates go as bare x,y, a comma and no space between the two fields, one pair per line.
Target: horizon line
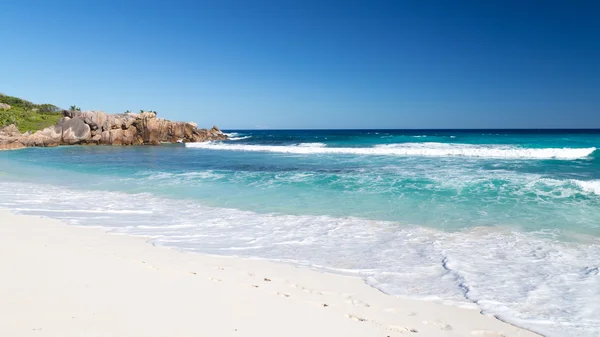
411,129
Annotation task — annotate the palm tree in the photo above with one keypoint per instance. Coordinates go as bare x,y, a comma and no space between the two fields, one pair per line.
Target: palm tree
127,111
75,108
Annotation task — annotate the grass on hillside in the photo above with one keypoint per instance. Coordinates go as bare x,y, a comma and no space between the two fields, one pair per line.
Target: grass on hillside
28,116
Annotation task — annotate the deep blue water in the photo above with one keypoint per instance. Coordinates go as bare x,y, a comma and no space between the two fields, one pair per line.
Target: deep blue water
506,220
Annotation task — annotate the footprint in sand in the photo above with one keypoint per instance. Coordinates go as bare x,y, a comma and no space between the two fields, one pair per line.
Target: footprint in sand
396,328
356,303
306,289
356,318
283,295
214,279
439,324
487,333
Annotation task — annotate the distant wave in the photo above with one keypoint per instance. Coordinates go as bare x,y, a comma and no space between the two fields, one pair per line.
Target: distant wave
412,149
239,138
311,145
236,136
449,180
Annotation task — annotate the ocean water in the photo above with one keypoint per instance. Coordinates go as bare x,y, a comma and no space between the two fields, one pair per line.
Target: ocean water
504,220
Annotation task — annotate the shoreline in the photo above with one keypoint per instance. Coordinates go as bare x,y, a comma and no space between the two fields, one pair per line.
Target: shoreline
122,285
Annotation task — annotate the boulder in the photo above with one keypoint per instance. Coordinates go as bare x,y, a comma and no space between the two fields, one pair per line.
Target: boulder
9,138
12,145
112,137
93,126
116,136
75,131
50,136
96,117
153,130
10,131
105,138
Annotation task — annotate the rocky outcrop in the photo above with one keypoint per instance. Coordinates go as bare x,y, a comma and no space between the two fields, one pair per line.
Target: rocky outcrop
9,138
9,131
48,137
100,128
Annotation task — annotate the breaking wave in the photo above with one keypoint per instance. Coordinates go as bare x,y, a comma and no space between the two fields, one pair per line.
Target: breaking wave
239,138
592,186
411,149
490,267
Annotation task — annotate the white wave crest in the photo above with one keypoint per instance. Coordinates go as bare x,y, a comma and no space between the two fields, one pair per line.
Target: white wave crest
430,149
592,186
239,138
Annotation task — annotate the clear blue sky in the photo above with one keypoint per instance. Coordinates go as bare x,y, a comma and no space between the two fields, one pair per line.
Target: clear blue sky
311,64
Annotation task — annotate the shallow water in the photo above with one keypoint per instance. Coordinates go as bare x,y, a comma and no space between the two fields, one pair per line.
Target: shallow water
505,220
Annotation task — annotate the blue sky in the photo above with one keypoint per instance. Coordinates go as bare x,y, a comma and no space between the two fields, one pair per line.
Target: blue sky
312,64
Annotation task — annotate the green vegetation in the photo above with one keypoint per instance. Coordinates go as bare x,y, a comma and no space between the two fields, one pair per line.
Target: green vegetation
27,116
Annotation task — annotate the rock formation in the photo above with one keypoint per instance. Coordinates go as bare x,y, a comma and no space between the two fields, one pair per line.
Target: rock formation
99,128
9,138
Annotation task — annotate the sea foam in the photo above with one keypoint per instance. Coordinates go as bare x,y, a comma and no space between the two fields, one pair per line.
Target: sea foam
490,267
589,186
429,149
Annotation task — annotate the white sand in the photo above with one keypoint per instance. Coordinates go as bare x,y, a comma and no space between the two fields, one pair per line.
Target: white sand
63,281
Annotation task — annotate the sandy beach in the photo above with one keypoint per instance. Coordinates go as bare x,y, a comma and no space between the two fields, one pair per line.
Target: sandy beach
59,280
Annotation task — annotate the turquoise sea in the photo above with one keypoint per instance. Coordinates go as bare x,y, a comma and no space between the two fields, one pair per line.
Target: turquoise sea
504,220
